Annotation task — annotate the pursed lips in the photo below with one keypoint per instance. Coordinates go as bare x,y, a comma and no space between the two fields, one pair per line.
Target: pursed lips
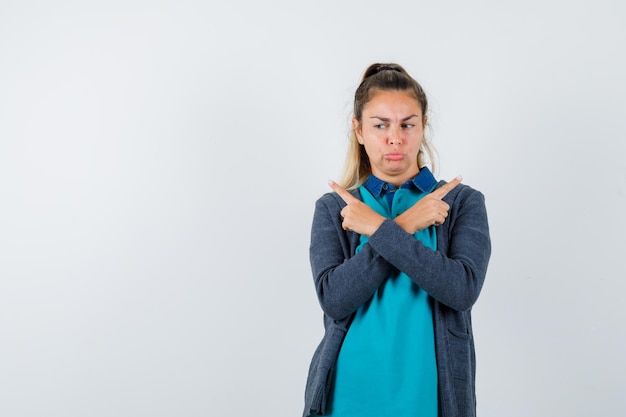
394,156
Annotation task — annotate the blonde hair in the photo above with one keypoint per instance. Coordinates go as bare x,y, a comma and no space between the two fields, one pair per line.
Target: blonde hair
381,77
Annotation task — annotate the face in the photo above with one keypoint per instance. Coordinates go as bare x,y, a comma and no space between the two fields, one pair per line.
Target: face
391,130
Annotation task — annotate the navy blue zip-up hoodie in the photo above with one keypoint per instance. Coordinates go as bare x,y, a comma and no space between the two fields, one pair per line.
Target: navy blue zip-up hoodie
452,275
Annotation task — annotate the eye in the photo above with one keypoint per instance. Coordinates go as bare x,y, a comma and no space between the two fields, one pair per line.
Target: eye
380,126
408,125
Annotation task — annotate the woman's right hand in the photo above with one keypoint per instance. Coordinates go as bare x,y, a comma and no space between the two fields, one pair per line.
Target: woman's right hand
357,216
430,210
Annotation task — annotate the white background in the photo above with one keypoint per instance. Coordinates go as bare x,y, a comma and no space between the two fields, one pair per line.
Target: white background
159,163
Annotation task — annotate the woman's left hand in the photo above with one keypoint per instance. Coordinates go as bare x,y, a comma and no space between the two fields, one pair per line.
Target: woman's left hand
357,216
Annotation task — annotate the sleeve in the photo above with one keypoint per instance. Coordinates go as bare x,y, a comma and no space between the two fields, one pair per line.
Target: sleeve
344,281
454,277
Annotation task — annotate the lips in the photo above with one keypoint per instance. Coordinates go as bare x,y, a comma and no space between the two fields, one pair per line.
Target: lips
394,156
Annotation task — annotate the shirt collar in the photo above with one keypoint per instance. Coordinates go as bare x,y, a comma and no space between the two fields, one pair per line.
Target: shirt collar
423,181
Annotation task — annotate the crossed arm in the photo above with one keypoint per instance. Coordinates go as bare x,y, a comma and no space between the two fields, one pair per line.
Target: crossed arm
454,277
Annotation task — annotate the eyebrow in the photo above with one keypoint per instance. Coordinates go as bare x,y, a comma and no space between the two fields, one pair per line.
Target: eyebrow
386,119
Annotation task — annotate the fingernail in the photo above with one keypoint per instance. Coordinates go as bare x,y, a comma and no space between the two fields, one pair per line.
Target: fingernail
459,177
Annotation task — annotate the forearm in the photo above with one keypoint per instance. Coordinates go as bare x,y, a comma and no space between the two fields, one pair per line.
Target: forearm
343,280
343,288
453,278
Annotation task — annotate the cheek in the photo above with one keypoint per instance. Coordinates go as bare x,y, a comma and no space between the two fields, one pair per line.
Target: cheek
372,148
418,131
370,137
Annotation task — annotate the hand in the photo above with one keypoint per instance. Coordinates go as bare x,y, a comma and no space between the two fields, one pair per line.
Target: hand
357,216
430,210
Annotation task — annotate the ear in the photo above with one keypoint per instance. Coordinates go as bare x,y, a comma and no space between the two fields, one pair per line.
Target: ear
356,126
425,119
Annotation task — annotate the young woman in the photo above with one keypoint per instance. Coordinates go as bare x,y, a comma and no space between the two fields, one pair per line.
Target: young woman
398,260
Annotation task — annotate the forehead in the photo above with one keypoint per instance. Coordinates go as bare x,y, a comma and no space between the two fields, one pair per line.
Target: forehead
394,101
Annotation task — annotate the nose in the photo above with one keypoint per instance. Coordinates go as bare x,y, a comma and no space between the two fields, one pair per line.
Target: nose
395,138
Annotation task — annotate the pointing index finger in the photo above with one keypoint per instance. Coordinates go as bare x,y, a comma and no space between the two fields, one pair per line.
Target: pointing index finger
446,188
343,193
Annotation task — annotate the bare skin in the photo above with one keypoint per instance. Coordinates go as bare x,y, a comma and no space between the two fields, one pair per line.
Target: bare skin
391,130
430,210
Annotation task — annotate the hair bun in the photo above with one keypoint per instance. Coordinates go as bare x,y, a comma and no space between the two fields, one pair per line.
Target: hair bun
378,68
385,68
